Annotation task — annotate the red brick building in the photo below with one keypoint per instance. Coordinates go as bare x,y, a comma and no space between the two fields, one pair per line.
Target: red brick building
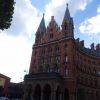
4,85
61,67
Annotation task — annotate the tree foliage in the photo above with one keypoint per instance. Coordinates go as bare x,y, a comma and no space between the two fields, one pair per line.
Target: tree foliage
6,13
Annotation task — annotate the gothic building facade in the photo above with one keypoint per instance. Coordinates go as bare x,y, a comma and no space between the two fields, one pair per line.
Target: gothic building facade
61,67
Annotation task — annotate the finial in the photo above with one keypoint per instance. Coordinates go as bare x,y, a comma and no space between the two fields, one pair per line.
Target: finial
43,14
67,5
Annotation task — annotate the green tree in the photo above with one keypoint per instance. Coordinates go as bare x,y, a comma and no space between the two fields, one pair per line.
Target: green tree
6,13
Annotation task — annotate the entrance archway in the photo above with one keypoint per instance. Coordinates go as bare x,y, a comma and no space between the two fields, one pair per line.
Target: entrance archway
47,92
66,94
37,92
80,94
29,92
58,93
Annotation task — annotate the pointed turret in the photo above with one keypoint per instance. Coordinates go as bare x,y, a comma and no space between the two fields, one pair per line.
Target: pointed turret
42,28
40,31
67,14
67,24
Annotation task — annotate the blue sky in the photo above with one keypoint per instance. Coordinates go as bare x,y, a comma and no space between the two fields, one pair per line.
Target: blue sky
16,42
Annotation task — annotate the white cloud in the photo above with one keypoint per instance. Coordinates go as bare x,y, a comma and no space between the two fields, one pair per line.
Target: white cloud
91,26
15,54
15,48
25,19
57,8
98,9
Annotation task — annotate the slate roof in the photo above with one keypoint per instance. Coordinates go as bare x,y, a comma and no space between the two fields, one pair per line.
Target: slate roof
42,27
67,14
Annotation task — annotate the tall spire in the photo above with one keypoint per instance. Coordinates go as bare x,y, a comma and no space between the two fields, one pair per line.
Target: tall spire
67,13
42,28
67,24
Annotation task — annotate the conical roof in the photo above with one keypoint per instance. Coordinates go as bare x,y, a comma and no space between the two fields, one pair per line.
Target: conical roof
42,27
67,14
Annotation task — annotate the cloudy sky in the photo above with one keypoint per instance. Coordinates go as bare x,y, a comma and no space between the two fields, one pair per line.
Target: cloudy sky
16,42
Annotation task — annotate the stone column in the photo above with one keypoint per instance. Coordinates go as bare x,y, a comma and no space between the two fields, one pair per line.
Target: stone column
98,95
53,95
89,95
60,96
94,96
86,95
72,96
42,95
